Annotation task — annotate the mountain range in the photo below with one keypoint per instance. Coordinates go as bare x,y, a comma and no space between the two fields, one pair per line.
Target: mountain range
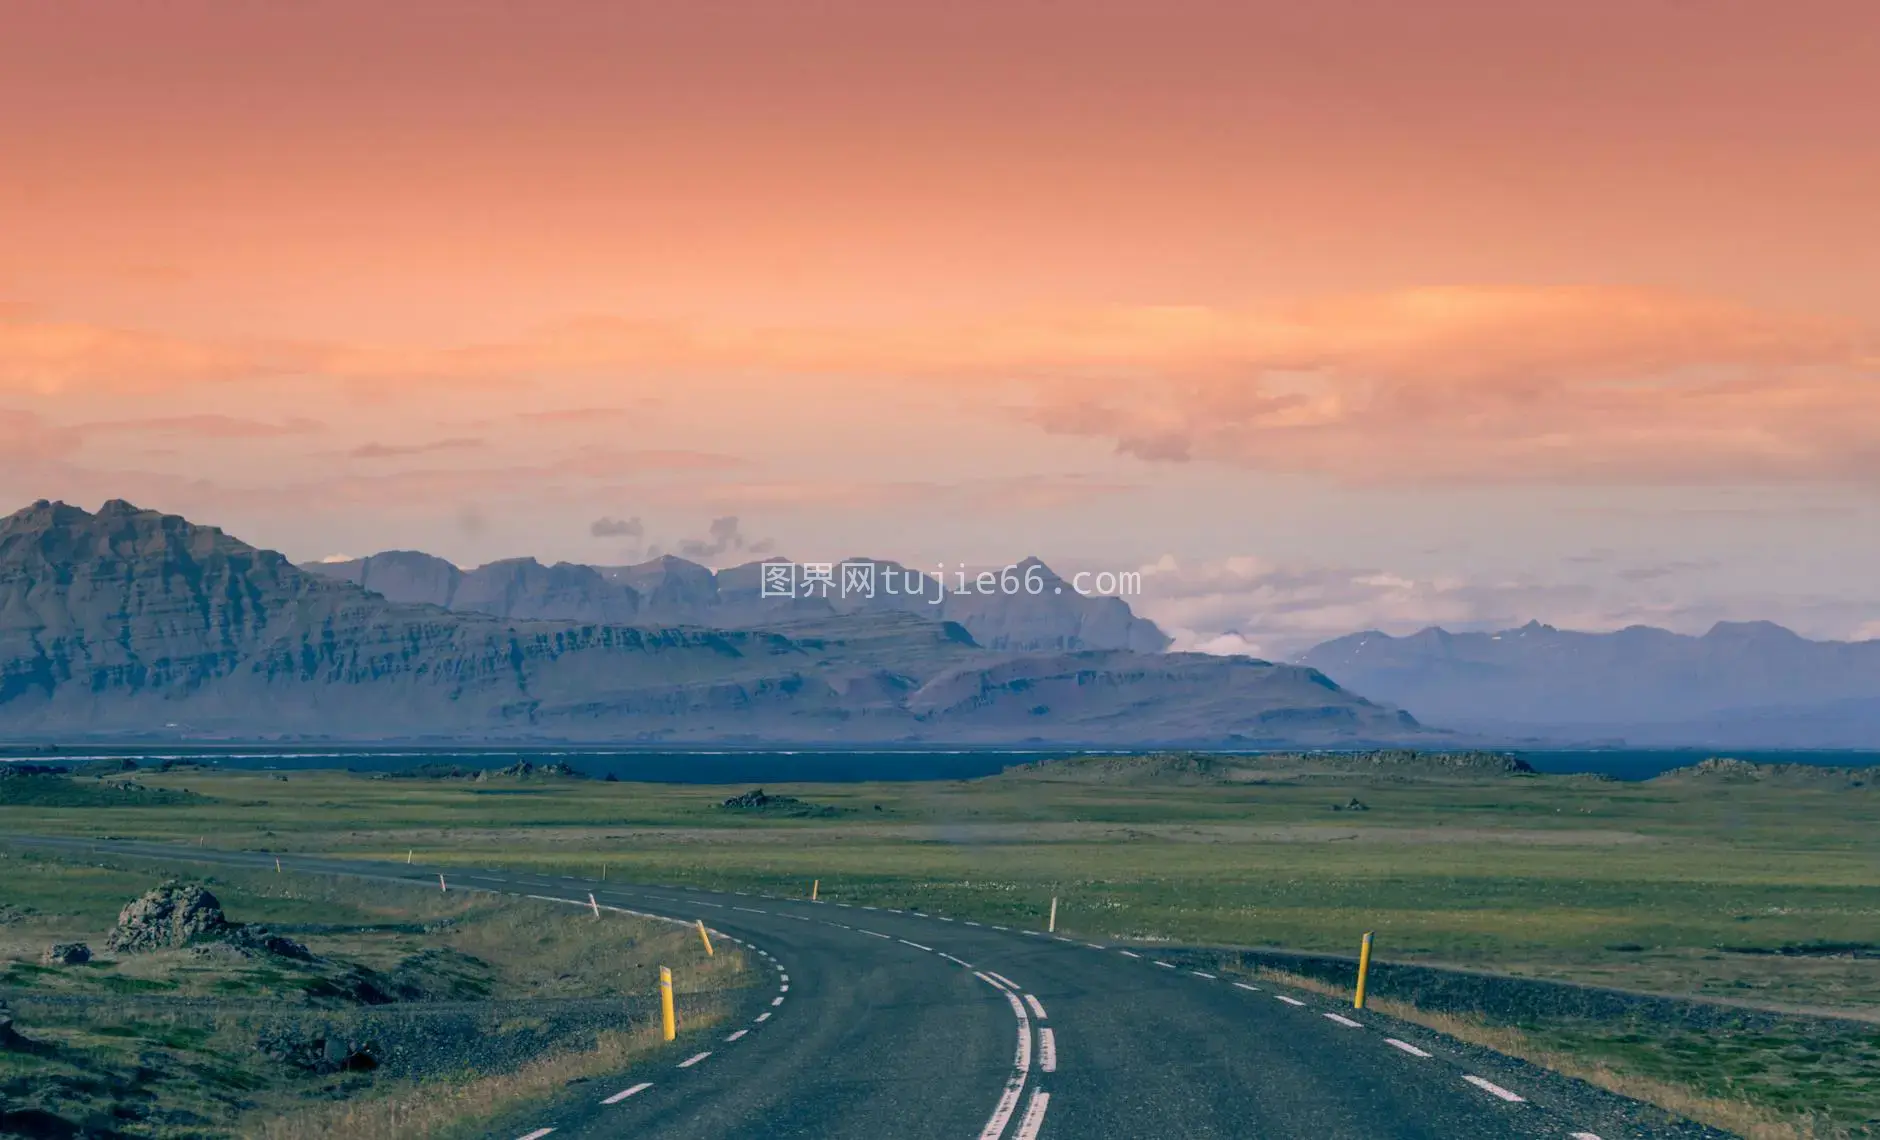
129,623
1039,612
1740,685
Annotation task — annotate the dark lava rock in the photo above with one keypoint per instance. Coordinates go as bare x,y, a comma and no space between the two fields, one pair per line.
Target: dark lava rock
66,954
176,914
317,1054
258,938
757,799
173,914
524,769
1356,804
16,769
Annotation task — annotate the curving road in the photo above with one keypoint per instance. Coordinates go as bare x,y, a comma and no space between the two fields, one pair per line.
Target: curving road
881,1023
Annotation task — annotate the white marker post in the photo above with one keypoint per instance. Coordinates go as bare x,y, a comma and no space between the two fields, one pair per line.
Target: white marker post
595,905
441,885
1052,927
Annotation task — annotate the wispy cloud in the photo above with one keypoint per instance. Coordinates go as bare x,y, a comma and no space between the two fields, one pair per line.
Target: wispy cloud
1434,385
206,425
400,450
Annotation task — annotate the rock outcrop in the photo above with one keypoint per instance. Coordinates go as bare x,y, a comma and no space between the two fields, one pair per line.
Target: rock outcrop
172,915
66,954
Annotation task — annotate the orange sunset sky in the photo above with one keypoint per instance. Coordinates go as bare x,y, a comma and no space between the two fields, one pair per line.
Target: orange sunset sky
1332,315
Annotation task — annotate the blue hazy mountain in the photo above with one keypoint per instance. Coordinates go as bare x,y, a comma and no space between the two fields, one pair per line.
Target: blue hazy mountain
1741,684
131,623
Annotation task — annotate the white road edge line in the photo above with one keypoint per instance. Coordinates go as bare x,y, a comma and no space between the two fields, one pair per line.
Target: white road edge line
1493,1089
1583,1136
537,1134
1047,1050
1245,986
1289,1001
1405,1046
1343,1020
1037,1007
625,1093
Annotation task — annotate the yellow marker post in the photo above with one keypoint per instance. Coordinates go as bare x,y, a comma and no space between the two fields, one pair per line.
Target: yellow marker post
814,886
1364,968
705,938
666,1019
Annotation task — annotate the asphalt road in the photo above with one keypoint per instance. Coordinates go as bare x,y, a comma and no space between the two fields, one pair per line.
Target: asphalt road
879,1023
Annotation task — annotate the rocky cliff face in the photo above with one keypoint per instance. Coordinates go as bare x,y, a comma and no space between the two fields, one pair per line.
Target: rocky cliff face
673,591
133,622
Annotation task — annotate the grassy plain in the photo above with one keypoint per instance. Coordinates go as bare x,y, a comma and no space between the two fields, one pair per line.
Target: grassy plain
1749,893
169,1043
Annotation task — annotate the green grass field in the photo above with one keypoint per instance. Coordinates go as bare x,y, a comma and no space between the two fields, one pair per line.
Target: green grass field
170,1043
1749,893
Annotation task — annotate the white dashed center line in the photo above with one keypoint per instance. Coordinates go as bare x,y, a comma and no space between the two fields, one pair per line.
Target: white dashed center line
765,1016
1202,974
1405,1046
1343,1020
1245,986
625,1093
915,945
694,1059
537,1134
1493,1089
776,1001
1289,1001
1129,953
737,1035
1037,1008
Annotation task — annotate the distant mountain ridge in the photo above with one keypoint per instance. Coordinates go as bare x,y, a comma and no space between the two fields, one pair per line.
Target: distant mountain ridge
1043,612
1741,684
132,623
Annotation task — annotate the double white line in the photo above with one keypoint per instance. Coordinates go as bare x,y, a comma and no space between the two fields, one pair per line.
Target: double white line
1002,1112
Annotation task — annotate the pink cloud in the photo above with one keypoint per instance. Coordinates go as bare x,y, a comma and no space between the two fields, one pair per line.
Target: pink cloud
1433,385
